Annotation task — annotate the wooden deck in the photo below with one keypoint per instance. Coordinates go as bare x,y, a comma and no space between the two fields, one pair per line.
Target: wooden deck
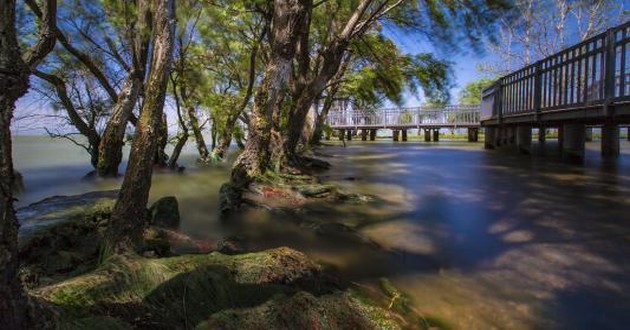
588,83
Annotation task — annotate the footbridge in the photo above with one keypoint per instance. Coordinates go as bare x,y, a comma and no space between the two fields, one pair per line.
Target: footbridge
585,85
399,120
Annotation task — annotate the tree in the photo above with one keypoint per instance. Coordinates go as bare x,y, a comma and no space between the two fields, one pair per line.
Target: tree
536,29
289,17
314,54
96,55
15,69
129,213
471,93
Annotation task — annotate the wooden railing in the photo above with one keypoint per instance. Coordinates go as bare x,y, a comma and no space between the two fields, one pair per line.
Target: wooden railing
448,116
593,73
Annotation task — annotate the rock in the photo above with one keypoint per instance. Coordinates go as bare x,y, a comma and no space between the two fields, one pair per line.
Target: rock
315,163
232,245
315,190
230,198
61,236
165,213
275,289
303,310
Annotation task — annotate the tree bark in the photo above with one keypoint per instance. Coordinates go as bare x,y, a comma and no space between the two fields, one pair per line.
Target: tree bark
129,213
161,157
112,140
201,142
110,148
14,83
287,20
183,134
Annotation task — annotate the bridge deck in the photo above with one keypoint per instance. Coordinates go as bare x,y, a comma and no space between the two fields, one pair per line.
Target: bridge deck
453,116
587,83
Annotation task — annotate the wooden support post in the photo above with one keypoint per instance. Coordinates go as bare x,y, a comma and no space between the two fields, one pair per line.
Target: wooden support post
473,134
589,134
610,141
364,133
573,139
524,139
349,135
427,135
395,135
372,134
489,140
436,135
404,135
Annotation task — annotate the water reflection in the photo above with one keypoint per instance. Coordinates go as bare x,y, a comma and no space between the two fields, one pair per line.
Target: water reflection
479,239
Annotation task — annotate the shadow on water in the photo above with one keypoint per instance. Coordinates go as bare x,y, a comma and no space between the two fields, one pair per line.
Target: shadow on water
541,243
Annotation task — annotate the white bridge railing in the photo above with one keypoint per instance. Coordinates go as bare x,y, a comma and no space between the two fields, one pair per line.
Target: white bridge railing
448,116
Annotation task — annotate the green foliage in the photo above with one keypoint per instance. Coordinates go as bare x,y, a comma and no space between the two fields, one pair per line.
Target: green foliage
381,72
471,93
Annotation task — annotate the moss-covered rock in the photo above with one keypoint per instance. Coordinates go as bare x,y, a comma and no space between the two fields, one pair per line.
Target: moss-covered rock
303,310
214,290
61,236
165,213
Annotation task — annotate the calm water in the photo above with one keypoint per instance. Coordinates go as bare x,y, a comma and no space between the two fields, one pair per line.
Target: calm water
478,239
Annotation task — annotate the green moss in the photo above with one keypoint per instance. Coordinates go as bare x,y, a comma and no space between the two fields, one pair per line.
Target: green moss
95,323
189,290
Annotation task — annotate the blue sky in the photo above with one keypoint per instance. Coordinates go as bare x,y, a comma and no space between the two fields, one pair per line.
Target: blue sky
464,61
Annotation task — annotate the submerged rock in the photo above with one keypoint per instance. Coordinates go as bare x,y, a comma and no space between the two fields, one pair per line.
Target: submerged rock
165,213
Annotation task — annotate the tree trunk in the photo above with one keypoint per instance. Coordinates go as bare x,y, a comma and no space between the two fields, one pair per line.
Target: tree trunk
225,138
14,83
321,120
161,157
177,150
129,213
201,143
333,59
112,140
110,148
287,19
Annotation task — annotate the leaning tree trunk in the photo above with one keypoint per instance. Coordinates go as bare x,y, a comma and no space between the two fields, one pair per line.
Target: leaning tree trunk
14,75
112,140
225,136
110,148
287,19
129,213
201,143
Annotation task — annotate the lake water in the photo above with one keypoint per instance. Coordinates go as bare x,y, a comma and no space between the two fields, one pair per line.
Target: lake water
479,239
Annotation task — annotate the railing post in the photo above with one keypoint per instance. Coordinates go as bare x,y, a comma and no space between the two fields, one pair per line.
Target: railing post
609,71
499,103
537,89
